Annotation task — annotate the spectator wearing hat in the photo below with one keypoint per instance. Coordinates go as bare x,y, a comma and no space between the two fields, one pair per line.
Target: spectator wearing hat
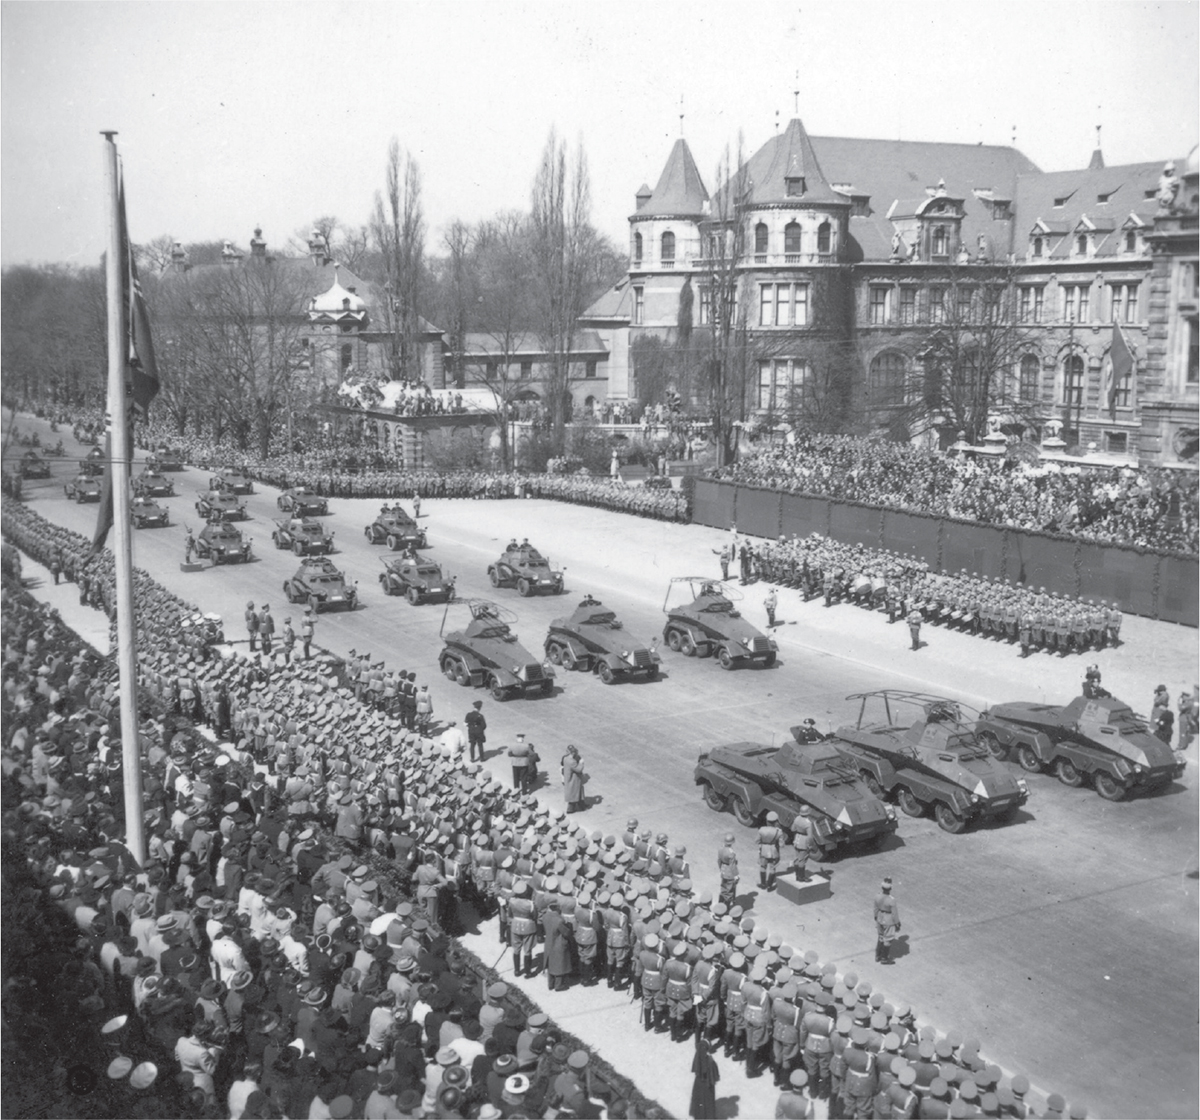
887,922
556,933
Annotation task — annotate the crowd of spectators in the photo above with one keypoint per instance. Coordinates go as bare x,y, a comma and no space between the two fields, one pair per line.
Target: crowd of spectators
284,949
880,580
1148,507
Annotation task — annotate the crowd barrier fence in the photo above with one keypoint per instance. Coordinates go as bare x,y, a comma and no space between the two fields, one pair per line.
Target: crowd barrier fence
1142,581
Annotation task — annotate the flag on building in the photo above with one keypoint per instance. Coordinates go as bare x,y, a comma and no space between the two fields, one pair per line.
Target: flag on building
1120,368
141,374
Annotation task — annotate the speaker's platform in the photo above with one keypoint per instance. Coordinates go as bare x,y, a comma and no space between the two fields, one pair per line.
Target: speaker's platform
813,890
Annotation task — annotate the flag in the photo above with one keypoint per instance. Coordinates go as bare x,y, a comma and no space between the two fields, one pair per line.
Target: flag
143,370
1120,366
141,374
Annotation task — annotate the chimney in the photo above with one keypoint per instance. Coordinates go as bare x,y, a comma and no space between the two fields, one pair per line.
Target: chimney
318,249
258,247
643,195
179,261
229,255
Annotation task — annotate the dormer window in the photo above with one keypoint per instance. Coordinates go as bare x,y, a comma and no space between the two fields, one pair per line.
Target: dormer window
1131,241
1038,245
940,244
795,186
1081,245
1001,210
346,304
1059,203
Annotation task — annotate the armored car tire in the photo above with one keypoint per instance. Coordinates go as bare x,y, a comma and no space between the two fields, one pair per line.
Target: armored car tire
712,798
948,820
499,692
449,667
994,747
742,811
769,660
524,588
872,783
604,671
726,658
413,596
1068,773
1028,759
909,805
1109,787
674,641
494,576
298,548
554,653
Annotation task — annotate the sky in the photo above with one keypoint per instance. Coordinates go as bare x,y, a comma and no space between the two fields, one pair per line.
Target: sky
232,115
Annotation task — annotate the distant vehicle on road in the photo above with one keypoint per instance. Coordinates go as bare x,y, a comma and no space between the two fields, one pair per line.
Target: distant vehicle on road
394,527
221,503
153,484
34,466
222,543
523,567
319,583
752,779
166,458
592,638
83,488
706,623
303,535
234,479
486,652
922,751
418,580
93,464
1101,739
147,513
302,502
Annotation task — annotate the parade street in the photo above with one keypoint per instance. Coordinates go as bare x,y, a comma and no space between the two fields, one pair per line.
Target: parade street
1065,941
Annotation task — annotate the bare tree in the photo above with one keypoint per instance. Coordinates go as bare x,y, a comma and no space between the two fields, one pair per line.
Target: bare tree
965,355
398,230
561,242
458,289
346,244
155,257
722,346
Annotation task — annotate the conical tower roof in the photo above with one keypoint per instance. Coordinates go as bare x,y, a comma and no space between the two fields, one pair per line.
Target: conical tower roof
680,192
789,155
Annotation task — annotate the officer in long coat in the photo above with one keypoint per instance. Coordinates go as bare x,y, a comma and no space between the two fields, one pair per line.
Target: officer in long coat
887,922
557,935
572,772
727,865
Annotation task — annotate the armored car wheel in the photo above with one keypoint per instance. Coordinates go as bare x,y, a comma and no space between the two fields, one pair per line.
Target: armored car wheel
554,653
1108,787
995,748
872,783
281,504
494,576
568,661
368,534
499,692
909,805
547,688
392,542
769,660
1028,759
712,798
413,596
523,588
298,548
948,820
725,658
449,668
687,645
1067,773
605,672
287,592
652,673
742,811
462,674
674,641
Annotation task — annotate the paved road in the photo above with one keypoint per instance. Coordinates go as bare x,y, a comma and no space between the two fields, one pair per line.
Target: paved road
1066,941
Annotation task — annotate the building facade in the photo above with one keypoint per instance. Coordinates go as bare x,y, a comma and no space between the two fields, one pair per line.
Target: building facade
860,264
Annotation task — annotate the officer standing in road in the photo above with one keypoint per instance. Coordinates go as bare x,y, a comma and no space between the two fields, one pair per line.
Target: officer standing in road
476,726
887,922
914,627
724,554
801,844
727,865
769,604
189,547
1189,718
770,837
266,628
288,641
307,626
252,626
519,756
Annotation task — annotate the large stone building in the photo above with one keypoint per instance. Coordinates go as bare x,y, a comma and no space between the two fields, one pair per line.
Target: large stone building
855,258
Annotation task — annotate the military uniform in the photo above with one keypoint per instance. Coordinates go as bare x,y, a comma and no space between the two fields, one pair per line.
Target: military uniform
770,837
816,1039
727,865
757,1016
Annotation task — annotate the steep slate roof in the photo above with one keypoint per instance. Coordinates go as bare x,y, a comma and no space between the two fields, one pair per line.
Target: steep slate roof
680,191
1125,186
891,170
480,343
789,155
613,304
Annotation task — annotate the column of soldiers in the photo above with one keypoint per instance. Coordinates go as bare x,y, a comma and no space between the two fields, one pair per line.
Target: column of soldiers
315,751
880,580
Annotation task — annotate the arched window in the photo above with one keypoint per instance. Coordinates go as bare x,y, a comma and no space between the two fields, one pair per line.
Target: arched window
940,248
1028,383
760,238
1037,246
668,248
824,237
886,381
1081,245
791,237
1131,241
637,248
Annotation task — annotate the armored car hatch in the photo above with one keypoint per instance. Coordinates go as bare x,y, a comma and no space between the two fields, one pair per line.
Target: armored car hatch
485,652
593,638
702,621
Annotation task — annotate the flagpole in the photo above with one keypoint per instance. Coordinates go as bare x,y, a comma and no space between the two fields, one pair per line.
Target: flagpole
118,357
